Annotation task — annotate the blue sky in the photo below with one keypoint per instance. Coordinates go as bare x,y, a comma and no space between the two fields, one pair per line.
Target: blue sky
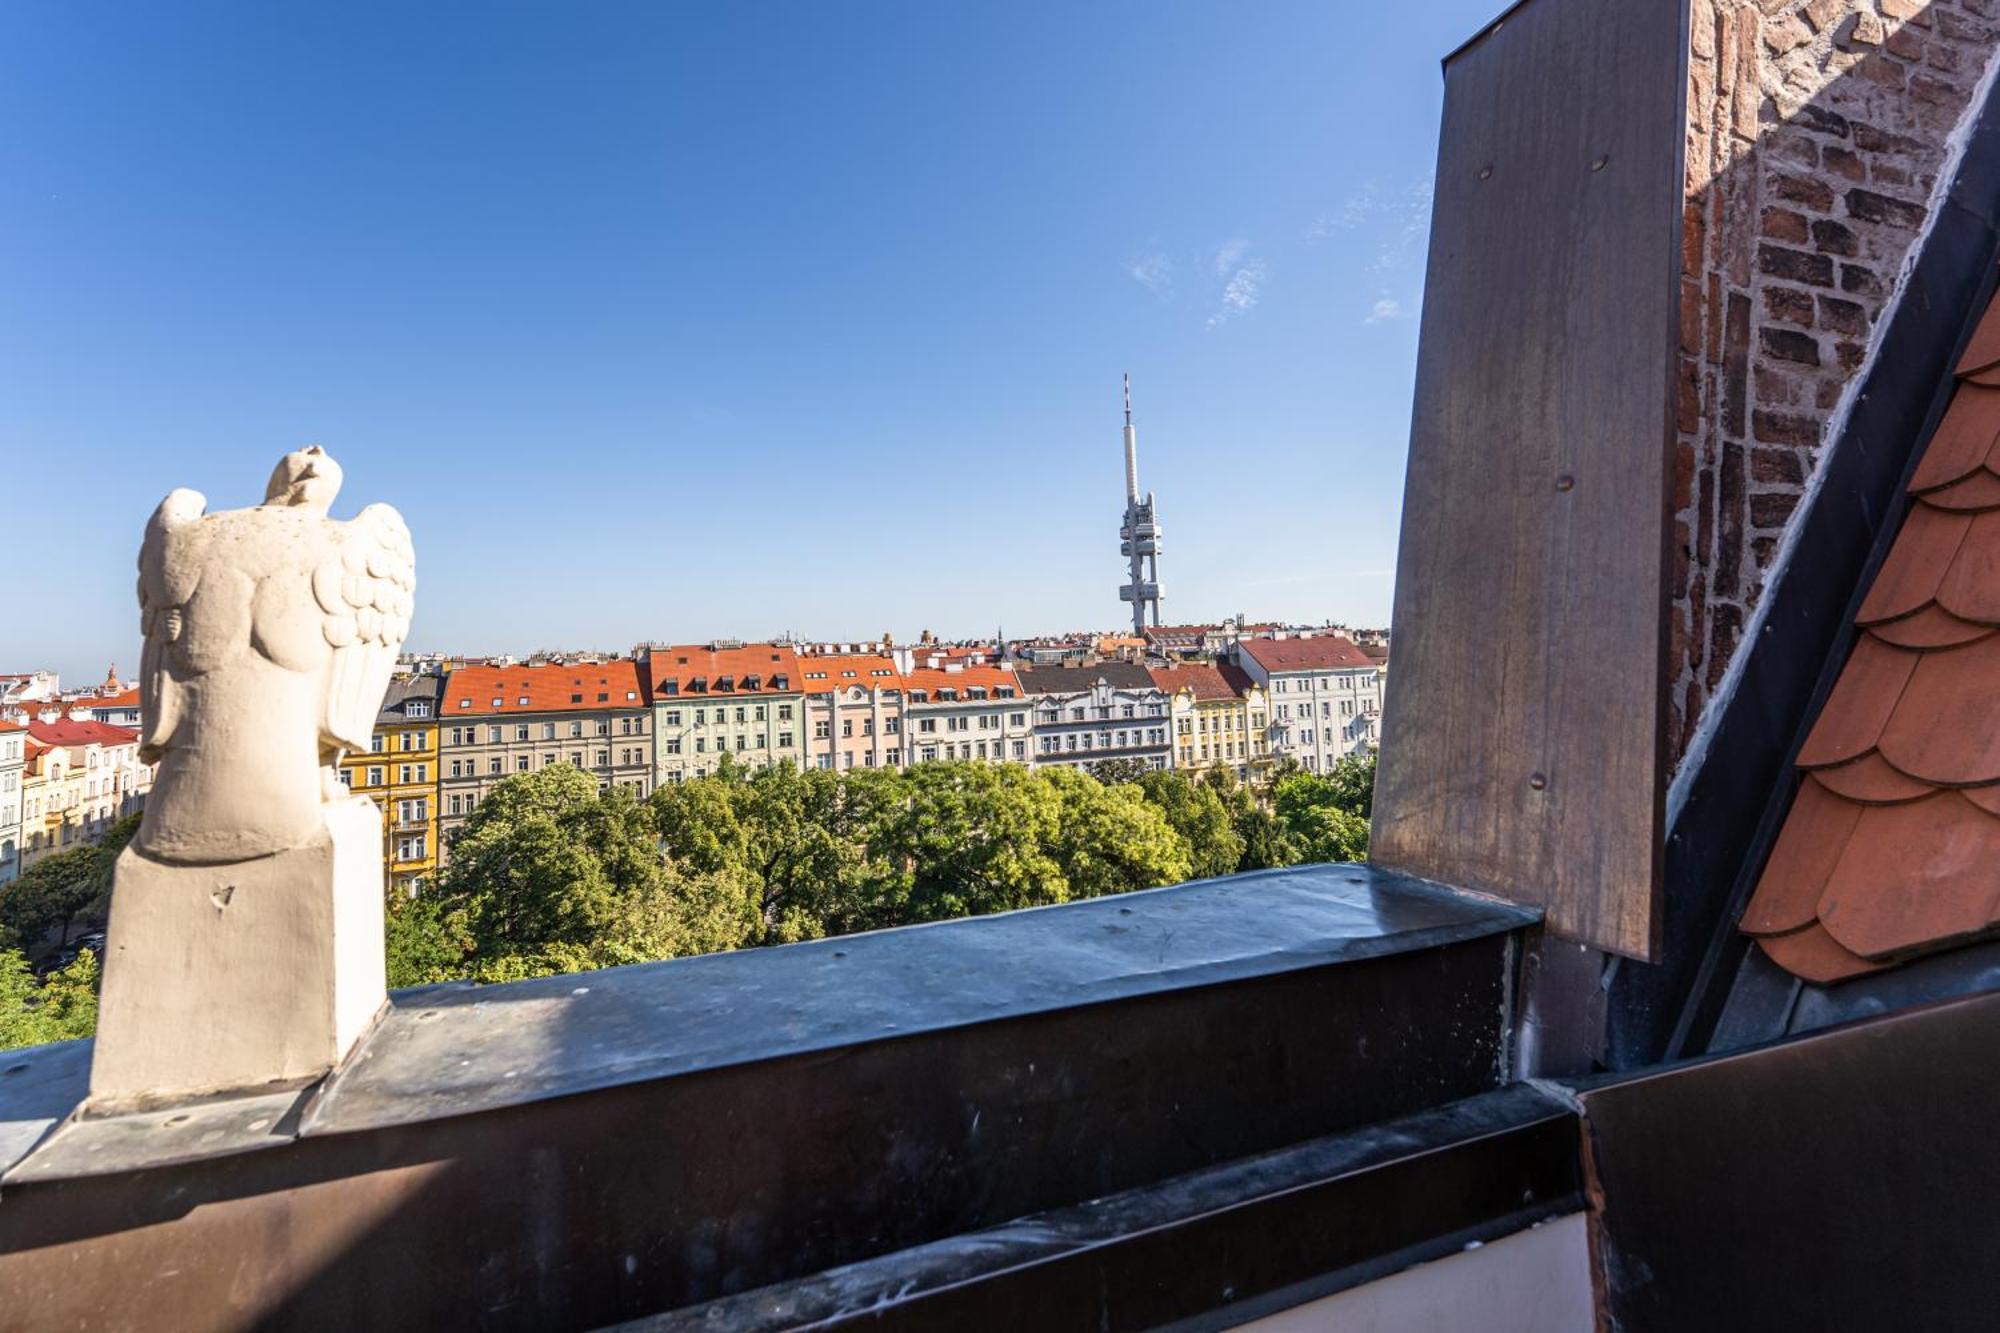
678,321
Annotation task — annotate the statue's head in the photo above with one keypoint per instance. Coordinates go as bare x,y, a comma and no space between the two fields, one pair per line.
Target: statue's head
306,478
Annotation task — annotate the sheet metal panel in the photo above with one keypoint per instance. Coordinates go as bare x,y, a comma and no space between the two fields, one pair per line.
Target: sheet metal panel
1522,750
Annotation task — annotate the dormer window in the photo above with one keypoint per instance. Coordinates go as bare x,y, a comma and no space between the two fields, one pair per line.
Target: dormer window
576,698
417,708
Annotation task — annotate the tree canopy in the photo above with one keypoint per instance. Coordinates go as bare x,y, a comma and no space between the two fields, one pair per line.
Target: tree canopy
550,874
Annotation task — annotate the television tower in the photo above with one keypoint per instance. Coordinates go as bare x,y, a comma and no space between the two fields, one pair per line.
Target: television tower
1139,538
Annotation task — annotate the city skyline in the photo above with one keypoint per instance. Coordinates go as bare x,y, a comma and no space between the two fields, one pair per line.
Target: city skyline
652,328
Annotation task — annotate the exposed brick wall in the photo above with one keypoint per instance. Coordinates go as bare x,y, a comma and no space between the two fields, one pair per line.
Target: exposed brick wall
1816,129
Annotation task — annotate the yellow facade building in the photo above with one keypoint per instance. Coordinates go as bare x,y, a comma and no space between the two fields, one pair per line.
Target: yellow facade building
1220,720
399,772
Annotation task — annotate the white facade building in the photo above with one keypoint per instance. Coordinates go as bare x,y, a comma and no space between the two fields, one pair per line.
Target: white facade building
965,711
13,740
1085,715
1325,696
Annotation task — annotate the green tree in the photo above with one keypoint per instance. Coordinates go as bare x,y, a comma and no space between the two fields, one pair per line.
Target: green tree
1197,813
1265,842
52,894
1325,818
57,1009
547,876
1350,783
1111,839
972,838
1114,771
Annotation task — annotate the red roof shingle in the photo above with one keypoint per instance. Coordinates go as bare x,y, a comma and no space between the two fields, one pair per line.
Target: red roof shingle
1891,846
1322,652
698,669
74,731
833,671
1207,682
484,690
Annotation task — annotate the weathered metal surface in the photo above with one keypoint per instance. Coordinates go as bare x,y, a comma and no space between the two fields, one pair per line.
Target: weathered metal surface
691,1129
460,1049
1843,1180
39,1086
1217,1246
1523,741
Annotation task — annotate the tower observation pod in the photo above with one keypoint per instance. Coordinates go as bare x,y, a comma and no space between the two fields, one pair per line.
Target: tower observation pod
1139,535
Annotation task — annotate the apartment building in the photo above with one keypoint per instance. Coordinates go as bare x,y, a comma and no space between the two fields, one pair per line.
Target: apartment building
853,710
13,759
1221,718
496,722
745,700
1107,710
78,779
966,710
1325,693
399,772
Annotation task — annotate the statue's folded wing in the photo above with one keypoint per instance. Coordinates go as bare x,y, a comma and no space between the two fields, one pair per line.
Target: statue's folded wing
365,590
169,572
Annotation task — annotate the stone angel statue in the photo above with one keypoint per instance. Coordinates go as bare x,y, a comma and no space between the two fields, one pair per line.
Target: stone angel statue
270,637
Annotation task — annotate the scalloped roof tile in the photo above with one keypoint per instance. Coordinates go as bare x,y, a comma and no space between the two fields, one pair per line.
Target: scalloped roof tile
1891,849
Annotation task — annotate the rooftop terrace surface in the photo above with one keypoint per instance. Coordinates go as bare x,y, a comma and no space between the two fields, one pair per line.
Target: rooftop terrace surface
459,1049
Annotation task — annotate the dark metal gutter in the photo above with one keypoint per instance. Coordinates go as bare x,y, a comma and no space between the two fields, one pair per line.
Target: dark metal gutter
1213,1248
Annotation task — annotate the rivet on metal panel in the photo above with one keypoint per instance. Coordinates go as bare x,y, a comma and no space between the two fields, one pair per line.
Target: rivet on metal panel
1486,171
1538,780
1565,482
1601,162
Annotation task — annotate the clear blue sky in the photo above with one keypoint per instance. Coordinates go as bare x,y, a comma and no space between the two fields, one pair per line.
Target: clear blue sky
676,321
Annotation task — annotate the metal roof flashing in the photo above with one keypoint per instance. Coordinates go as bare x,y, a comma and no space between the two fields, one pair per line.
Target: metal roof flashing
459,1050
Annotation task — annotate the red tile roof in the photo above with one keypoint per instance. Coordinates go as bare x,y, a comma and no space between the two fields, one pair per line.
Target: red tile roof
1322,652
833,671
73,731
993,678
122,699
1207,682
702,669
483,690
1892,846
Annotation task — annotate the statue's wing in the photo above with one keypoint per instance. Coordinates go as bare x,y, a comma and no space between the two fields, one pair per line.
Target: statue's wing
365,590
169,572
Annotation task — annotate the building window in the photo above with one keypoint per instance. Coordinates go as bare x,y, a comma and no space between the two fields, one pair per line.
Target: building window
375,743
375,777
417,708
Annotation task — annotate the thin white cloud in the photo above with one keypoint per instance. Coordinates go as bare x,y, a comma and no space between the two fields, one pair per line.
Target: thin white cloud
1412,221
1241,292
1385,309
1154,271
1354,210
1229,255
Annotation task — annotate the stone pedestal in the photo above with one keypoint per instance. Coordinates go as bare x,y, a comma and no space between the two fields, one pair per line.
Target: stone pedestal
245,975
